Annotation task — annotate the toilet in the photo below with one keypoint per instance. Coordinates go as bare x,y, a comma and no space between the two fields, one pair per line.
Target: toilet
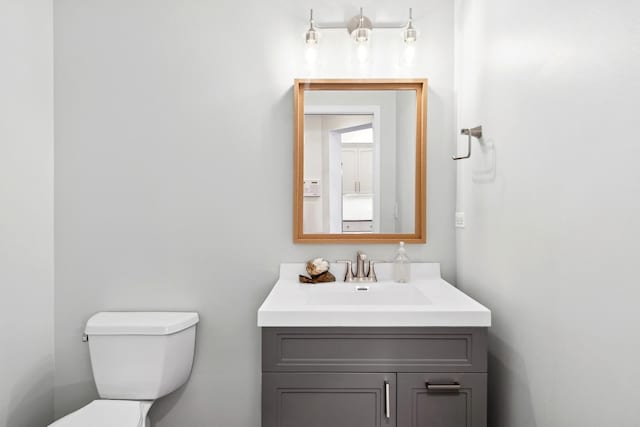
136,357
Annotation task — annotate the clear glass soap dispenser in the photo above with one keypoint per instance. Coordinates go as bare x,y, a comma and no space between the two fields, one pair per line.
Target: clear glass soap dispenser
402,265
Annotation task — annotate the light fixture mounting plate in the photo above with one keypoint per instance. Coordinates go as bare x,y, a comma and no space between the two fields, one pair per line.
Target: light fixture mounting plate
355,22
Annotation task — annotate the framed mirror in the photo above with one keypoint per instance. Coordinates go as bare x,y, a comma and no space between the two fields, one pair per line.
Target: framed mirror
360,161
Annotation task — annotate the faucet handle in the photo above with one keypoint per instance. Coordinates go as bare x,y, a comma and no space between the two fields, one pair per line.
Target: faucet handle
348,275
371,275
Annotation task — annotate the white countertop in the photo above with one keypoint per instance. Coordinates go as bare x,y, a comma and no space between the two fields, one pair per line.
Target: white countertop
427,300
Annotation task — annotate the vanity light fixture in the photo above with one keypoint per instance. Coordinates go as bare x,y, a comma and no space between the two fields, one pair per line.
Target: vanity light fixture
360,28
312,36
410,34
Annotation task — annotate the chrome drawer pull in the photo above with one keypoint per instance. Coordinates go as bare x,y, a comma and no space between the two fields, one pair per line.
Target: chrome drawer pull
451,387
387,407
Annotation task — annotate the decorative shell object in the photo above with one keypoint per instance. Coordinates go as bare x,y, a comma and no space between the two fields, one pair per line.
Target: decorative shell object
318,269
317,266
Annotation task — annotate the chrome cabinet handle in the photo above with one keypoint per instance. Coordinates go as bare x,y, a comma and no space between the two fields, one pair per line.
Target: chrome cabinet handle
387,406
444,388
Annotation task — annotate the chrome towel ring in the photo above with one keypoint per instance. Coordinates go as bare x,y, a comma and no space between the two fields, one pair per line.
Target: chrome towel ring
475,132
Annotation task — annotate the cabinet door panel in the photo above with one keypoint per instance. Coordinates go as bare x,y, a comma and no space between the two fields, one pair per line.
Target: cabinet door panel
349,170
440,406
324,399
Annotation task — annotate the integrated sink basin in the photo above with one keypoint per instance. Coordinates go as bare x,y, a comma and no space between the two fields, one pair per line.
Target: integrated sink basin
427,300
365,294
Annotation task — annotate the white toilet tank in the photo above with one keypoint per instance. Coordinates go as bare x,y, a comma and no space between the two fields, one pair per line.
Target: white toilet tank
141,355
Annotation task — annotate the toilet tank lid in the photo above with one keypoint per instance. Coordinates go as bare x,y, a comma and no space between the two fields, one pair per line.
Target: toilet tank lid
139,323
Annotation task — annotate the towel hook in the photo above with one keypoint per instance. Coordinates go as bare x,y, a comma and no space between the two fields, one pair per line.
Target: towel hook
475,132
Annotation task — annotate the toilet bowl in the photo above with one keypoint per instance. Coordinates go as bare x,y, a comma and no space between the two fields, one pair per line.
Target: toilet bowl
136,358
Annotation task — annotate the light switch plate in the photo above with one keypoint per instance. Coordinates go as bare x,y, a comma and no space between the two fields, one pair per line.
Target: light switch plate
459,219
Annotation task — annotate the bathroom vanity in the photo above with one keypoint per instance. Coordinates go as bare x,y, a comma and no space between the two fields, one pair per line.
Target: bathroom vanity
379,354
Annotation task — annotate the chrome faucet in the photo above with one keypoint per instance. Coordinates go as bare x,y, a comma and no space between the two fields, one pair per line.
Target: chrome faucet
360,275
360,258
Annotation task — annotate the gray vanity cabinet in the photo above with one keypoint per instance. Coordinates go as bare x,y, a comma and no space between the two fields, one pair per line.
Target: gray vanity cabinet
437,400
374,377
328,399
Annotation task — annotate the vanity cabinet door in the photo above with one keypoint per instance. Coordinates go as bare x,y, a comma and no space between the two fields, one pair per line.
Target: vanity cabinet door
328,400
442,400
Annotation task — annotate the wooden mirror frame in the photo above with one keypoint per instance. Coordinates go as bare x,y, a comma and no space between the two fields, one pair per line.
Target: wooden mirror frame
420,230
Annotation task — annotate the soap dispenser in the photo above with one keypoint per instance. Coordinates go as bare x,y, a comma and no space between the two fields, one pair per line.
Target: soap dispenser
401,265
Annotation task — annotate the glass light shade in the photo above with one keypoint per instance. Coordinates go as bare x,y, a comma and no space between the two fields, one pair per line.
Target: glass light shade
361,35
410,34
311,37
311,54
362,52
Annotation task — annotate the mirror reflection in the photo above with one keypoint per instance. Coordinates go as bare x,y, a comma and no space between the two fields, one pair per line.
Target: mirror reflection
359,163
359,160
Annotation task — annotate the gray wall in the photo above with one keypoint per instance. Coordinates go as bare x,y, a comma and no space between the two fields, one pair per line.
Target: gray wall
174,173
26,213
551,205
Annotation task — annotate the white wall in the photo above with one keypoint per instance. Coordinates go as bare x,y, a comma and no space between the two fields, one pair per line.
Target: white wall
26,213
551,205
406,160
174,153
313,207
